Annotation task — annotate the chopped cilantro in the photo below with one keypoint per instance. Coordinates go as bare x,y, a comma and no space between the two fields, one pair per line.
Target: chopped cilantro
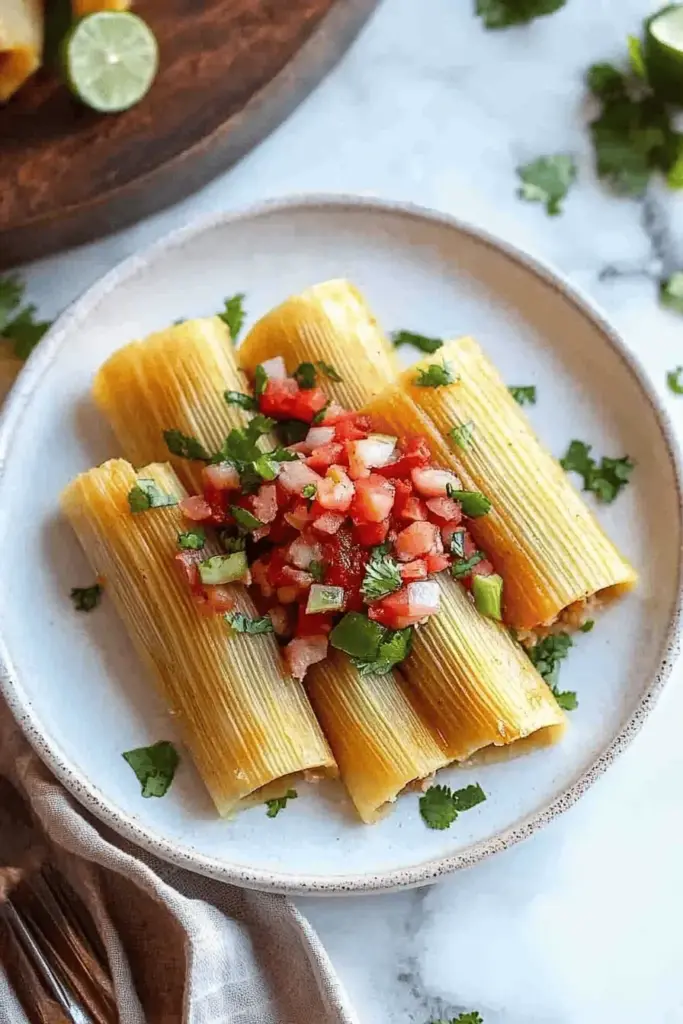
305,376
504,13
605,480
317,571
464,566
320,416
671,292
11,294
260,381
154,766
436,375
309,491
587,626
605,81
636,57
193,540
233,315
293,431
232,544
244,624
185,447
382,576
146,494
462,434
245,519
17,324
473,503
458,543
393,649
279,803
420,341
329,371
547,180
524,395
86,598
546,656
440,806
674,379
463,1018
567,699
240,399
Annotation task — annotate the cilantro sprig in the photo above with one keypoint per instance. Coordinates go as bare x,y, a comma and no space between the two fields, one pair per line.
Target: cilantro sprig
461,436
674,379
382,575
146,494
86,598
279,803
185,447
393,649
154,766
671,292
440,805
18,323
524,394
436,375
547,180
233,315
504,13
419,341
605,479
546,656
192,540
253,626
473,1017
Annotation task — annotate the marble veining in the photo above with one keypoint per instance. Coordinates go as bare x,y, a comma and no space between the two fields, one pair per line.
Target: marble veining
580,925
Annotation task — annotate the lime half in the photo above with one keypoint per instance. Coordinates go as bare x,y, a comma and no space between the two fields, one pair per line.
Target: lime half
664,52
110,58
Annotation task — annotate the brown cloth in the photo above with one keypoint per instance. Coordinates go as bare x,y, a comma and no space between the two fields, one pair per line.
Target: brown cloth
182,949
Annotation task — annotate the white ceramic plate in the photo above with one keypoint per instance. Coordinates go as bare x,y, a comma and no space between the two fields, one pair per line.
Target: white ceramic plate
74,682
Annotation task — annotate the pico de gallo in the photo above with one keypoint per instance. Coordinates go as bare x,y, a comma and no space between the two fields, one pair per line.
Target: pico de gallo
340,528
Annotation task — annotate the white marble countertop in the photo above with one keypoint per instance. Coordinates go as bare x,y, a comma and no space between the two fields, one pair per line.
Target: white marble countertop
581,925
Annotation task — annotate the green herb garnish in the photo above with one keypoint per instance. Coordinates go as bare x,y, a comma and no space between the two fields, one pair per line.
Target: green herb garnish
260,381
382,576
244,624
17,324
192,540
393,649
317,571
329,371
154,766
587,626
464,566
245,519
146,494
305,376
671,292
279,803
605,480
239,398
420,341
232,544
358,636
462,434
504,13
463,1018
436,375
546,656
525,395
605,81
320,416
440,806
233,315
674,379
473,503
309,491
547,180
185,447
86,598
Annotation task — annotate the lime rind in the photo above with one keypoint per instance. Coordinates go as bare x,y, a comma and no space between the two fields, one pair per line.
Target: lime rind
664,53
111,59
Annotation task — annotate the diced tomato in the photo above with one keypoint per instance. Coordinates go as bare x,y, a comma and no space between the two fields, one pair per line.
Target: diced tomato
221,477
352,427
288,595
336,491
432,483
261,533
324,456
369,534
281,532
260,569
345,563
373,500
298,516
404,490
416,570
414,453
414,510
445,508
296,577
329,522
195,508
436,563
277,562
278,398
219,599
264,503
416,540
187,563
307,403
304,651
312,625
483,568
407,606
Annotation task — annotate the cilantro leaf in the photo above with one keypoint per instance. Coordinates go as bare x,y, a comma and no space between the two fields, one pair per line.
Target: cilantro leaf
524,395
463,1018
260,381
305,376
329,371
674,379
547,180
193,540
185,447
244,624
86,598
503,13
320,416
464,566
605,81
11,294
146,494
605,480
462,434
632,138
233,315
473,503
567,699
440,806
309,491
546,656
241,400
317,569
436,375
393,649
382,576
232,544
587,626
245,519
279,803
420,341
671,292
154,766
25,331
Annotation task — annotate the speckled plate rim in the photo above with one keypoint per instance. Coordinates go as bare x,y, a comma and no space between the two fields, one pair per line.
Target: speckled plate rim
428,871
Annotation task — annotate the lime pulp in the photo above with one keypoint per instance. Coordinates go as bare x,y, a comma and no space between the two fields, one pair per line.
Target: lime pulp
110,58
664,53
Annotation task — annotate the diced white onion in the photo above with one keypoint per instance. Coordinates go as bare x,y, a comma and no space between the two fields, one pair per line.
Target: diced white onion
424,593
275,368
317,436
302,553
375,450
294,476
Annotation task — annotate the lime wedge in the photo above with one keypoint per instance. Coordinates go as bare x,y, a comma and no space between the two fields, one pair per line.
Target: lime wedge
110,58
664,52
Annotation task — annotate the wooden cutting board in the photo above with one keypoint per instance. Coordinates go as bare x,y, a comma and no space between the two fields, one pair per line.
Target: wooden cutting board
231,71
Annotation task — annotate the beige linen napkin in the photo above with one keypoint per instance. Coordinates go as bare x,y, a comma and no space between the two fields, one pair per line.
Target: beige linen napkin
182,949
